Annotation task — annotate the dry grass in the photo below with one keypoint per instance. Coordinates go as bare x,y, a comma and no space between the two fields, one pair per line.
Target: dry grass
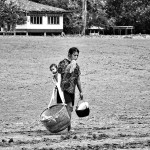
115,79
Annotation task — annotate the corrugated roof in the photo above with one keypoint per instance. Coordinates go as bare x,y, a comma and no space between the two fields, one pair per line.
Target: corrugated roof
32,6
123,27
95,27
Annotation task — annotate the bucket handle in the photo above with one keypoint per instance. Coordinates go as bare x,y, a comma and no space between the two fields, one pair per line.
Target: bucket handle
79,101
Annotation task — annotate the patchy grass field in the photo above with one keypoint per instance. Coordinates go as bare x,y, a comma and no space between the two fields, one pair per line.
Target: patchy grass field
116,83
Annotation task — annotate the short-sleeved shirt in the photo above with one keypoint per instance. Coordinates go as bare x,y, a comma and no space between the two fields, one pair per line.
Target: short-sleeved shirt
68,80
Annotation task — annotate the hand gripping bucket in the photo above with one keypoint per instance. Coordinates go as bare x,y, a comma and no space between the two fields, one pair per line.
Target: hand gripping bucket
56,118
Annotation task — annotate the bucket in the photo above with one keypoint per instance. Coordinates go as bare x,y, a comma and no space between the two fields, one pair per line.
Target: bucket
56,118
82,112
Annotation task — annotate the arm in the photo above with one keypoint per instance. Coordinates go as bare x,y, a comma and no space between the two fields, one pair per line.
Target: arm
59,79
59,88
53,93
79,87
52,98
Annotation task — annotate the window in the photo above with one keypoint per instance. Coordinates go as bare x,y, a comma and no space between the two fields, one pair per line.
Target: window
36,19
53,19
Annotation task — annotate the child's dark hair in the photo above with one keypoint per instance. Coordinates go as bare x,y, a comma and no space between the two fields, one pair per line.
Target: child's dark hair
73,50
52,65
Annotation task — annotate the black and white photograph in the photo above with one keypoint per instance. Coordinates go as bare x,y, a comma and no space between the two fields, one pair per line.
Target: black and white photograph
74,75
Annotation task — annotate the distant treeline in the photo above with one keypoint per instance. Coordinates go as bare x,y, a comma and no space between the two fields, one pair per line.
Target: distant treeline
103,13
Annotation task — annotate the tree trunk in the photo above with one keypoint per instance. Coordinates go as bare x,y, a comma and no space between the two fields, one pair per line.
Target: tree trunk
84,14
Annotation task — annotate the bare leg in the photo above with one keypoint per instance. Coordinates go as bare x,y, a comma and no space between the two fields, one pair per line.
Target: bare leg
70,109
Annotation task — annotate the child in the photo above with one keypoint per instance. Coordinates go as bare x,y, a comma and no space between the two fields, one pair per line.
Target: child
57,92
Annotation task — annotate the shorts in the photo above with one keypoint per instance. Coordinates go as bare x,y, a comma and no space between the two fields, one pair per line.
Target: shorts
69,97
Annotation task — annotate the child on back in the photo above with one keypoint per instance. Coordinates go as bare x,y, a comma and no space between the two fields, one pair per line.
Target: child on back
57,94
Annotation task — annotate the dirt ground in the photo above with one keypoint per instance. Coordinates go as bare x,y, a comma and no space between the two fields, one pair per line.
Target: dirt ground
116,83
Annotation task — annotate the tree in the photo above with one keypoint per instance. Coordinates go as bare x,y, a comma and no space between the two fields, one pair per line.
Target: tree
10,15
84,13
84,16
96,14
73,21
127,12
55,3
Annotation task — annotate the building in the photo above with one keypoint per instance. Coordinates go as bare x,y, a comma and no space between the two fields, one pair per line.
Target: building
41,19
95,30
123,30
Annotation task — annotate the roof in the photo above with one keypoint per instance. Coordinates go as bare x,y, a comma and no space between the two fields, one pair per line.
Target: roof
29,6
123,27
95,27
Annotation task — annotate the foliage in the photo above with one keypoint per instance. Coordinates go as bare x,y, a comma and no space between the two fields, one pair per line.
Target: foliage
73,22
96,14
10,15
55,3
127,12
104,13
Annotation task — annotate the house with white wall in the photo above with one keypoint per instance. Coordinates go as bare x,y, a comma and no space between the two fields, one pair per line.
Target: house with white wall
40,18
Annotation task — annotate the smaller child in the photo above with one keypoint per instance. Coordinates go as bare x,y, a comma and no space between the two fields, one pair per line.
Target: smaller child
57,91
